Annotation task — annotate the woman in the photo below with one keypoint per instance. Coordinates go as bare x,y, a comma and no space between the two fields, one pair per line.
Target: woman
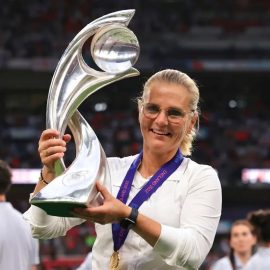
179,201
261,221
242,242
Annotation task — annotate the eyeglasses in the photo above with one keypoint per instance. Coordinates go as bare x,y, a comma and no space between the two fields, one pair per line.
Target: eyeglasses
152,111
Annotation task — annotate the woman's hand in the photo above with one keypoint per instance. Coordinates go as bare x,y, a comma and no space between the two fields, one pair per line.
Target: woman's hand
111,211
51,147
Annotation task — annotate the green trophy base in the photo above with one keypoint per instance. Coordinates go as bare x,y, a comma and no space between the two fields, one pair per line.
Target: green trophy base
57,208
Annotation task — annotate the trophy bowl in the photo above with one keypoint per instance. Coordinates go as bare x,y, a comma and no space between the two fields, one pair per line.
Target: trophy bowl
115,49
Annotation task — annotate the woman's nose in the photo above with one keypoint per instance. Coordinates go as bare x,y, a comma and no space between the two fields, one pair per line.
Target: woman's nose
162,117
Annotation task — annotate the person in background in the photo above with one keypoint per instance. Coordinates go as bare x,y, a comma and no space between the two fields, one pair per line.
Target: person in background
260,219
18,249
164,208
242,242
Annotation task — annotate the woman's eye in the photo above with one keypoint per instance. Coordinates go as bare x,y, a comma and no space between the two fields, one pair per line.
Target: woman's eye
152,108
175,113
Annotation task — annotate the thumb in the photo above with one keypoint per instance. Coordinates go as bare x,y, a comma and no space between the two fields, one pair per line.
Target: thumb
67,138
103,190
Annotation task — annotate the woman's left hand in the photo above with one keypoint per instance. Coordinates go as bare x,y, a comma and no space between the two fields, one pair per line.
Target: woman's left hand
111,211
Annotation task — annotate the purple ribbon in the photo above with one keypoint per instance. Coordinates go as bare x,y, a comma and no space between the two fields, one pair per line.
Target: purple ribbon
120,234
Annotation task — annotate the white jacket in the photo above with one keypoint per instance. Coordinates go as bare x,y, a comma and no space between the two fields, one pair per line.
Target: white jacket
188,206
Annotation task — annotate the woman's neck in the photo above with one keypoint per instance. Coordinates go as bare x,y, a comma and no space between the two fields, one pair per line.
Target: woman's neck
151,162
244,257
2,198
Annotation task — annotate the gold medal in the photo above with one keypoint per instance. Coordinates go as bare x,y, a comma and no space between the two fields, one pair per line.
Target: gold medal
114,261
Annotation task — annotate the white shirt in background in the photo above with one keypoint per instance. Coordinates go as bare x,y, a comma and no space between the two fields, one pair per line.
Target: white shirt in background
260,260
18,249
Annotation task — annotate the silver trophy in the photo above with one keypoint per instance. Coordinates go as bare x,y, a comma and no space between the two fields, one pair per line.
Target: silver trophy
114,49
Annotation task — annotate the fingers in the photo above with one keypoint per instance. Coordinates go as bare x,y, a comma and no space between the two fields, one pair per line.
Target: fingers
78,212
103,190
83,213
52,153
102,214
49,133
67,138
51,147
93,216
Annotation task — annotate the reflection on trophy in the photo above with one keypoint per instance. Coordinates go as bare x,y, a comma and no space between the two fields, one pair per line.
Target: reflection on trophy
114,49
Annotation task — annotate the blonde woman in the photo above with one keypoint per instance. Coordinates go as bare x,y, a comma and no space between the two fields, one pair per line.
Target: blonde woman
164,208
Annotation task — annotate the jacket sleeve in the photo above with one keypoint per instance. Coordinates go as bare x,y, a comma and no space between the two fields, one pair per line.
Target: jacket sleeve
44,226
188,245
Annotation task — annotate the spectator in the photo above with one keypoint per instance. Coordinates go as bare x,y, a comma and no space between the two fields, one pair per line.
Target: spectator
18,250
261,221
242,242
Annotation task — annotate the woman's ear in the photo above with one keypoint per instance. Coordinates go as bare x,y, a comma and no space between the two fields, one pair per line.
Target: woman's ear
193,121
139,109
139,104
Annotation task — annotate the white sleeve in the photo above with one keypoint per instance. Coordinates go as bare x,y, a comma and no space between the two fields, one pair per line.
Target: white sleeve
44,226
222,264
35,253
189,244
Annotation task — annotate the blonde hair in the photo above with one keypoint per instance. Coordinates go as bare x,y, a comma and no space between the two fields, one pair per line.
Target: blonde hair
180,78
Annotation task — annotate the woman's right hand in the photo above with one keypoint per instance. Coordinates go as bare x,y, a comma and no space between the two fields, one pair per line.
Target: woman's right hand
51,148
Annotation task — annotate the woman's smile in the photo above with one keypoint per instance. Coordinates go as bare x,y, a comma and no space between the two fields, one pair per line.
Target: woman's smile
160,132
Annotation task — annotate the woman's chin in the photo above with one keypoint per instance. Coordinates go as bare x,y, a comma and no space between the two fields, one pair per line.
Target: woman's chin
159,147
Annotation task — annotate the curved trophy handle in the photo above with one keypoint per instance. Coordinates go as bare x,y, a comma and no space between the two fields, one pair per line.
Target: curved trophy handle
72,83
74,80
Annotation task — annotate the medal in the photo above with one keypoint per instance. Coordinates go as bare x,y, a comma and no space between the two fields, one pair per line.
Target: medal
114,261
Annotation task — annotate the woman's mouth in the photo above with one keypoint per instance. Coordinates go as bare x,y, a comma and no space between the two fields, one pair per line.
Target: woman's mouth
160,132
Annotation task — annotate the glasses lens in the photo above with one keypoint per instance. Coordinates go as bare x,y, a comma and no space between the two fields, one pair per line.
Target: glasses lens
151,110
175,115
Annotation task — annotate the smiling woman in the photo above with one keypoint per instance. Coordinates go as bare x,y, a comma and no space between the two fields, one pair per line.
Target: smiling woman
164,208
177,95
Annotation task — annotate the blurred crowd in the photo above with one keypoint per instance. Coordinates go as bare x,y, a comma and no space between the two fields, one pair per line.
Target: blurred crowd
234,133
234,125
43,29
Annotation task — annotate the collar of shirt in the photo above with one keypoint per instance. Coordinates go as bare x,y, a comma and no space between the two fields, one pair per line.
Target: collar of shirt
139,180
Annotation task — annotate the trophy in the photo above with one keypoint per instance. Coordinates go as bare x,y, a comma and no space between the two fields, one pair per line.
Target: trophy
114,49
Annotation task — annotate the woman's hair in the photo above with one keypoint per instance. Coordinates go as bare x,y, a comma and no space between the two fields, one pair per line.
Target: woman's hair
260,219
236,223
179,78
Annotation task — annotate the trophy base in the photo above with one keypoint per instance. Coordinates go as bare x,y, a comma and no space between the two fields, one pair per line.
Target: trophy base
57,208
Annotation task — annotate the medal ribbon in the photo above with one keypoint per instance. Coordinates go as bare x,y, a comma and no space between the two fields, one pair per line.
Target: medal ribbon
119,233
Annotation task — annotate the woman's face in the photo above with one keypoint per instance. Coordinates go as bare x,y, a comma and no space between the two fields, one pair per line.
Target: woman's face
242,240
160,135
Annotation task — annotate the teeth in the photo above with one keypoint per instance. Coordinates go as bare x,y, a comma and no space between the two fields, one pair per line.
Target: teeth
160,132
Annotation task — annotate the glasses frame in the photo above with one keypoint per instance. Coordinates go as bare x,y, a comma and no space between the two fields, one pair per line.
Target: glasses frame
176,120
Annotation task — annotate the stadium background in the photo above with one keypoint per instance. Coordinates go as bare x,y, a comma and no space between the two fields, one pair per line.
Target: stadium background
224,45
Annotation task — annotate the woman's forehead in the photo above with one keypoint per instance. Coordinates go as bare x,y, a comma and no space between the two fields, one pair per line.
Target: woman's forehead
240,227
167,92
